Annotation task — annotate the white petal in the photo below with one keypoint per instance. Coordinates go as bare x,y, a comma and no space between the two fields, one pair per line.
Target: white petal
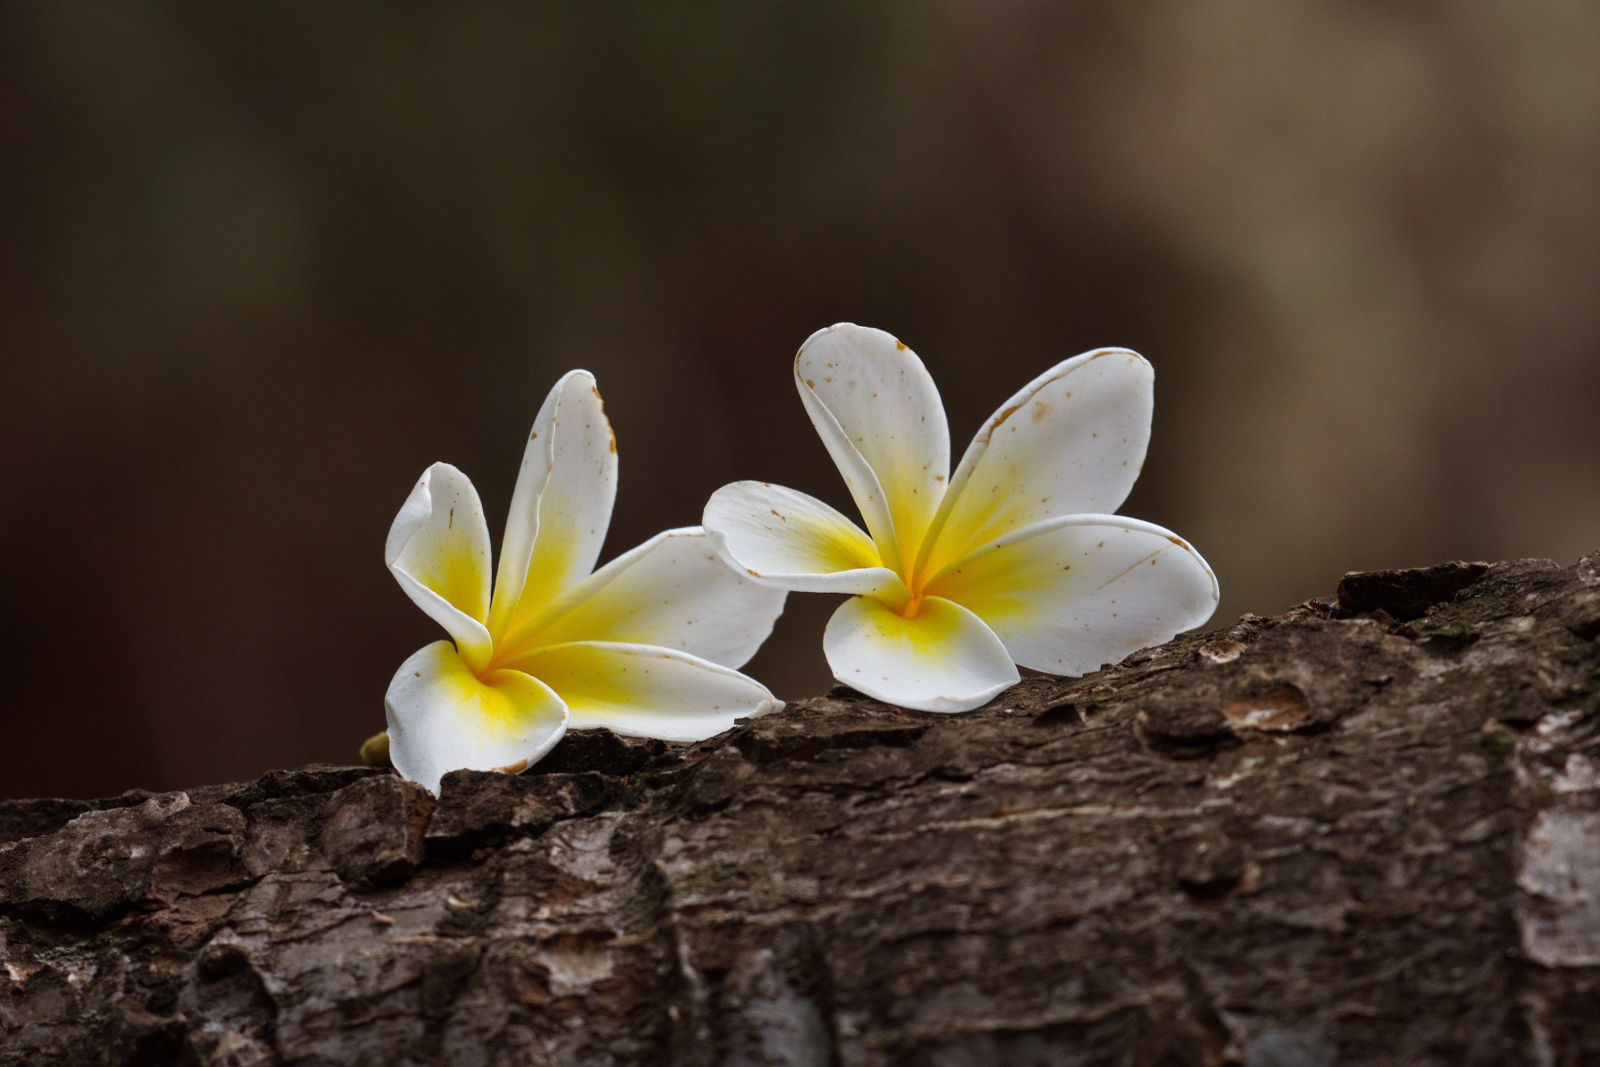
942,659
1070,443
559,514
887,410
787,539
673,591
522,521
647,691
438,550
885,401
444,718
1070,594
859,478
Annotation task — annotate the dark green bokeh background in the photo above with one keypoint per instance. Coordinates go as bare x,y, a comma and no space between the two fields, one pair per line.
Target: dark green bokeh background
262,263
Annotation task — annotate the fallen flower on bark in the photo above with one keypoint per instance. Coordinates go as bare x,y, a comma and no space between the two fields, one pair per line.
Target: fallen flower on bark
647,645
1013,559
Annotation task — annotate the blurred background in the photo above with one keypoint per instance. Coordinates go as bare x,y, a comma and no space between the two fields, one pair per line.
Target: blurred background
263,263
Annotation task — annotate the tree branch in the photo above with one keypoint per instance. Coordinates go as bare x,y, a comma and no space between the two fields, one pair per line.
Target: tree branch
1363,832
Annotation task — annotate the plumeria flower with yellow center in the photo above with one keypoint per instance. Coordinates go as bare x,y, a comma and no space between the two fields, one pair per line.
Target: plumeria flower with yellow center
1013,559
647,645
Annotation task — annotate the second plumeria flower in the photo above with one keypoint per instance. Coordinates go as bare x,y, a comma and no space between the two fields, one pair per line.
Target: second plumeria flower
647,645
1015,558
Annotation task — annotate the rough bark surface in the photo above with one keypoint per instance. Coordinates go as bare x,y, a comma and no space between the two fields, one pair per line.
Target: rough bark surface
1363,832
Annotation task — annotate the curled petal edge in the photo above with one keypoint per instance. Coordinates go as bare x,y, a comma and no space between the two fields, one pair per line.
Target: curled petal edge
869,581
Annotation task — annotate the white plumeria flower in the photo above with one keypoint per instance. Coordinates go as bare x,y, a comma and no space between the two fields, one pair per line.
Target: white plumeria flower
647,645
1013,559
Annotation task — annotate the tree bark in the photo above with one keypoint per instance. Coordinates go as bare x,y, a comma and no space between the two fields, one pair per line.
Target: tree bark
1363,832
